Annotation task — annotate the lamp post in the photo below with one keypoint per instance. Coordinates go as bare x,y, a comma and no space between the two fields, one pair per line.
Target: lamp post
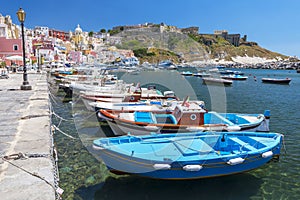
21,16
38,53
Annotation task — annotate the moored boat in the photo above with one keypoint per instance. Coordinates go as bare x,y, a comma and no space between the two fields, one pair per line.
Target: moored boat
182,118
201,74
235,77
216,81
188,156
187,73
276,80
133,95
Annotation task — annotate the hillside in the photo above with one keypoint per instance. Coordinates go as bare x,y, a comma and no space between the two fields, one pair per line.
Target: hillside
180,44
219,48
153,44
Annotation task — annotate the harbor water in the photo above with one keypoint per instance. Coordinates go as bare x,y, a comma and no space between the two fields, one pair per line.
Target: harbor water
82,176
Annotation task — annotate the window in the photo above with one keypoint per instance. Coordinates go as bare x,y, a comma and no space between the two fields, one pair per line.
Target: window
16,48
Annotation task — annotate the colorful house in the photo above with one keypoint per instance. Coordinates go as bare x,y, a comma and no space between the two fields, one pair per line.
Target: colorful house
11,47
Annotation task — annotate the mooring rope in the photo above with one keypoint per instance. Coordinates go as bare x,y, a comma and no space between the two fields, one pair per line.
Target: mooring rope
23,156
70,136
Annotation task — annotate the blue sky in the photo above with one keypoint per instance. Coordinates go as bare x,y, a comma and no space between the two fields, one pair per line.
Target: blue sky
274,24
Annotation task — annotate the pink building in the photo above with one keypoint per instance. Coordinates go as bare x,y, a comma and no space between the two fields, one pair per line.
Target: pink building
10,47
75,56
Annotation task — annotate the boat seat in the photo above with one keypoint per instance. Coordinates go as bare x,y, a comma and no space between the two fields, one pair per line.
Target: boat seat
128,116
243,144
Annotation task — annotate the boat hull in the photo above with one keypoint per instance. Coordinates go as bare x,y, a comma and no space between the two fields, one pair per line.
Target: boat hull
276,81
213,122
201,166
217,81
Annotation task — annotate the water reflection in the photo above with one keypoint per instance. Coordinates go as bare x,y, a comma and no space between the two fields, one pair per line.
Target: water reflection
136,188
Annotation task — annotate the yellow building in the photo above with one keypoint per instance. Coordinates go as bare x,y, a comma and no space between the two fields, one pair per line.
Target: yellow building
78,37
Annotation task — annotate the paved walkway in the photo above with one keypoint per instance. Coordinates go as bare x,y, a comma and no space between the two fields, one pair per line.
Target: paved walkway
25,128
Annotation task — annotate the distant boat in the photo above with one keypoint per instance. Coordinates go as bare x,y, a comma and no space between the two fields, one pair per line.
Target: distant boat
216,81
276,80
187,73
201,74
188,155
167,64
235,77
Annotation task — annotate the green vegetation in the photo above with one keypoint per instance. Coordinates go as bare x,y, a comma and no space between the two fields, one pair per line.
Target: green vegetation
91,33
113,32
154,55
2,64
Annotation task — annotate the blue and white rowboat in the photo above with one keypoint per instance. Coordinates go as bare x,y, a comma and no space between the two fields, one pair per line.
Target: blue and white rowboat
189,155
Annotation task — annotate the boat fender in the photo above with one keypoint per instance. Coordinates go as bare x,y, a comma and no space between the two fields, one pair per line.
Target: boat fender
235,161
162,166
151,128
195,128
267,154
97,147
192,168
233,128
193,117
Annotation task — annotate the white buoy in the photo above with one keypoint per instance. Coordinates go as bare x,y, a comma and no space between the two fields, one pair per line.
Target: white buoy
235,161
233,128
267,154
162,166
192,168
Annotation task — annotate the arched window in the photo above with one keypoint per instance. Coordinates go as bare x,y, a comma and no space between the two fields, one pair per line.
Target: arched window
15,47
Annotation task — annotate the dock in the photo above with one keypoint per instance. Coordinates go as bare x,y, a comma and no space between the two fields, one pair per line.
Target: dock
27,166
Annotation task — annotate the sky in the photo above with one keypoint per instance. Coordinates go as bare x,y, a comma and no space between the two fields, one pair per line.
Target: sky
273,24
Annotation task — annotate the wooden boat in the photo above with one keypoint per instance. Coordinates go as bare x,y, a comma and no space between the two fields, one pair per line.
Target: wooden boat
188,156
183,118
135,95
276,80
216,81
235,77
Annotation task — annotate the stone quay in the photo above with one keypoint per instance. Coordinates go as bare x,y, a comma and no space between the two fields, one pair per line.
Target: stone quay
27,166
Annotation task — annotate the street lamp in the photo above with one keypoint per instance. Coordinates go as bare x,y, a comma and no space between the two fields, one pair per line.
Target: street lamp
21,16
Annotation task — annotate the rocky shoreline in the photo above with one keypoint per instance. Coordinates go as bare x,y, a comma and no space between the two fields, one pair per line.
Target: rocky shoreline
252,63
272,65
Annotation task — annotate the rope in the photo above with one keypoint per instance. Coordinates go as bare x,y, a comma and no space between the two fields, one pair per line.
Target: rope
283,145
56,128
26,156
62,119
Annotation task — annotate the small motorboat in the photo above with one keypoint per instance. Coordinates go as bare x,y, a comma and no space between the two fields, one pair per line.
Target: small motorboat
188,156
276,80
187,73
235,77
201,74
216,81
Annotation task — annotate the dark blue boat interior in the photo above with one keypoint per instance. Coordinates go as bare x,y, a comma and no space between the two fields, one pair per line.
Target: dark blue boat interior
165,119
237,144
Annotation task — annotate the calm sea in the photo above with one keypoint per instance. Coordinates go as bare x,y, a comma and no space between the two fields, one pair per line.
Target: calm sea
84,177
